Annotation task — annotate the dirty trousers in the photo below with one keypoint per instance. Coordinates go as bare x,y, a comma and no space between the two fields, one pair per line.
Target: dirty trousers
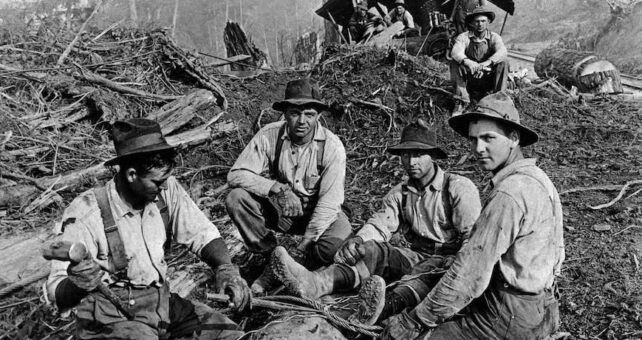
494,81
158,314
502,312
418,270
256,218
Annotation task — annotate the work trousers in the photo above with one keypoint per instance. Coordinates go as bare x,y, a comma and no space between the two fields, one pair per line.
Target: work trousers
503,313
258,217
158,314
494,81
417,271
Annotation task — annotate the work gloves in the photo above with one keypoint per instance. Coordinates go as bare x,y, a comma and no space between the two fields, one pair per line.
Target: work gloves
289,202
230,282
85,274
405,325
350,252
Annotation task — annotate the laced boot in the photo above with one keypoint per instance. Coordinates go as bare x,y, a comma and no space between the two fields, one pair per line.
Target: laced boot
372,298
265,282
298,280
394,304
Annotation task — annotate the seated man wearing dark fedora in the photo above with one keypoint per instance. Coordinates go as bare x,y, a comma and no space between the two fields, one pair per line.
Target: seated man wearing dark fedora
501,285
479,63
125,225
290,178
433,211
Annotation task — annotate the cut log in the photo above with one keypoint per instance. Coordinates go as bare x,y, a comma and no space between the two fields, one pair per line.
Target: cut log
175,114
237,42
588,72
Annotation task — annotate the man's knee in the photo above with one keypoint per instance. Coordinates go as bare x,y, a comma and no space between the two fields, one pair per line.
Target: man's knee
236,200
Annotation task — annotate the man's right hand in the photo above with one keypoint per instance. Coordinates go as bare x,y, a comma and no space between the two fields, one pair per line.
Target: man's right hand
350,252
473,66
289,202
85,274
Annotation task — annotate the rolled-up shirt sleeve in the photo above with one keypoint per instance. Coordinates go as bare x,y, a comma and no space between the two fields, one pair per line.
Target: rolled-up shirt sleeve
331,191
189,224
251,163
386,220
470,274
500,49
458,52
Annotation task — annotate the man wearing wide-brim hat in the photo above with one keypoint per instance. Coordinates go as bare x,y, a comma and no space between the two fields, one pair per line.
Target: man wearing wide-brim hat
432,210
126,226
290,178
478,65
503,281
400,13
364,22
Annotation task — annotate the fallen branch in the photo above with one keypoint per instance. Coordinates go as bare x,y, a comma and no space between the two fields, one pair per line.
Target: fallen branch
619,196
384,108
64,54
596,188
100,80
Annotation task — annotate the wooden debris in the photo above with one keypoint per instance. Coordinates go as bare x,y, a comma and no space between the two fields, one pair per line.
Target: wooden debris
619,196
174,115
385,38
237,43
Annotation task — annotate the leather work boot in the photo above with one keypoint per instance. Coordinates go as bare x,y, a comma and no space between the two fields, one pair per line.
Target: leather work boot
372,298
265,282
394,304
300,281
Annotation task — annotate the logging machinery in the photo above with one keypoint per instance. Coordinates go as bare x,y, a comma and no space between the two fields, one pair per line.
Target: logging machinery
75,252
433,16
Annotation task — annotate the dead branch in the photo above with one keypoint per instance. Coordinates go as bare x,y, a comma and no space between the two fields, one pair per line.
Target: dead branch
100,80
619,196
65,53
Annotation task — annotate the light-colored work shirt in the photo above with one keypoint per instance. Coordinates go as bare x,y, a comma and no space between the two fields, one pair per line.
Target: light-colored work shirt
142,232
496,47
406,18
298,168
519,231
425,215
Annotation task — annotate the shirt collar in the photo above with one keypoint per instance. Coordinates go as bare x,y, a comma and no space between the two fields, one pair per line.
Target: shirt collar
472,35
511,169
436,184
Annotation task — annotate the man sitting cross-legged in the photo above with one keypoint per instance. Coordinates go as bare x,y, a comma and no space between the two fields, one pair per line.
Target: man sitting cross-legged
434,211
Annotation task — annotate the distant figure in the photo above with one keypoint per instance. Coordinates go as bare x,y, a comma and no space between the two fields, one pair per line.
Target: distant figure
462,9
478,60
399,13
364,23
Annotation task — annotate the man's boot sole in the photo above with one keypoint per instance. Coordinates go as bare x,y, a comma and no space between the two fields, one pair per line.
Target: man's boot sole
283,274
372,298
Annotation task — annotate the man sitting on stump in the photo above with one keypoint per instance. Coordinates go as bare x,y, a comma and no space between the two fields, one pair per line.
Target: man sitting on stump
124,226
290,178
434,210
400,13
505,276
479,61
364,23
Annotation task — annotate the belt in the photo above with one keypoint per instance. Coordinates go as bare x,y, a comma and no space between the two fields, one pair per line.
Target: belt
501,284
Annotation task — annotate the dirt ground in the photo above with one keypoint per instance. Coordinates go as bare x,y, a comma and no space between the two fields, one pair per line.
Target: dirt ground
583,145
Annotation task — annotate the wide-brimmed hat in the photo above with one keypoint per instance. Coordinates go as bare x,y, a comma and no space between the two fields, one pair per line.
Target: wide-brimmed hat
400,2
498,107
418,136
301,92
136,136
481,10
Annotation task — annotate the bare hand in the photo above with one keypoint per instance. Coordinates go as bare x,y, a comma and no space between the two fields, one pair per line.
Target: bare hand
289,202
350,252
230,282
85,275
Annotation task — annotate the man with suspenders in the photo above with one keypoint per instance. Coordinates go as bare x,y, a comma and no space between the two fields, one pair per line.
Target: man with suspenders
290,178
433,211
501,285
125,226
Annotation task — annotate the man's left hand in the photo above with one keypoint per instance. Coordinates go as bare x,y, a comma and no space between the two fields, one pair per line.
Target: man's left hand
300,251
405,325
230,282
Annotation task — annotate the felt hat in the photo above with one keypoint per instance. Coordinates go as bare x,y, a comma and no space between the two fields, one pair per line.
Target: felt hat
480,10
400,2
363,5
136,136
498,107
301,92
418,136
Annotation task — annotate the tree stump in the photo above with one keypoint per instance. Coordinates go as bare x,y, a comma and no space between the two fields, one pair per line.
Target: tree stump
587,71
237,42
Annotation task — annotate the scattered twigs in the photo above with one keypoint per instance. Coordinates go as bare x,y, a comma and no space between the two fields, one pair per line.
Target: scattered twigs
596,188
627,228
388,111
43,273
619,196
65,53
15,304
